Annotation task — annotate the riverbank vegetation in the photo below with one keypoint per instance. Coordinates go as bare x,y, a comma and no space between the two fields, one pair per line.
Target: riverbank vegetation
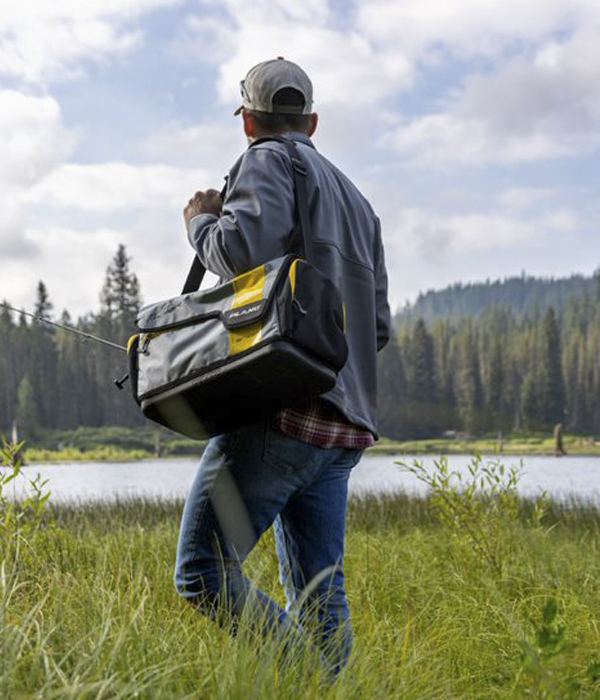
471,593
512,445
114,444
109,444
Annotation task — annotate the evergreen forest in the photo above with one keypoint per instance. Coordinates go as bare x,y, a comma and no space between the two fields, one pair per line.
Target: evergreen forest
53,379
515,355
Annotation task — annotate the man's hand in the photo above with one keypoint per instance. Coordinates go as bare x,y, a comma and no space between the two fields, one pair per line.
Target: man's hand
208,202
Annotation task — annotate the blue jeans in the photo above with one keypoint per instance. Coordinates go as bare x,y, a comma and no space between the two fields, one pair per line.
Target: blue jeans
248,480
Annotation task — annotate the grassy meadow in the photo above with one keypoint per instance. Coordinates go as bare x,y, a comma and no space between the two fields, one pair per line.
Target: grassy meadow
471,593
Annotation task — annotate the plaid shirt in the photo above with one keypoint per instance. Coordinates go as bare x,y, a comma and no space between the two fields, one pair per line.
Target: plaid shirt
321,424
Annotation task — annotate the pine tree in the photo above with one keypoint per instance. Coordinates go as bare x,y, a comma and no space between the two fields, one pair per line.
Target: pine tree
470,390
27,409
8,370
43,305
422,378
392,398
120,297
552,387
530,402
422,387
495,385
120,304
42,369
575,372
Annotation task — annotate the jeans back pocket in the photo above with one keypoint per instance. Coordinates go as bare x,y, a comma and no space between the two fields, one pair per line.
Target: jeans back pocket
289,455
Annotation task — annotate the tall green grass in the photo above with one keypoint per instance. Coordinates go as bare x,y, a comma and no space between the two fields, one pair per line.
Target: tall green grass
88,609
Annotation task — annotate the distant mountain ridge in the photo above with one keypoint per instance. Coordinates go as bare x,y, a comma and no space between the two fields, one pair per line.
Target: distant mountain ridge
524,295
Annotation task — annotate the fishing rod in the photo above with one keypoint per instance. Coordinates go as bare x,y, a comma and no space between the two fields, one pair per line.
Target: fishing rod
85,336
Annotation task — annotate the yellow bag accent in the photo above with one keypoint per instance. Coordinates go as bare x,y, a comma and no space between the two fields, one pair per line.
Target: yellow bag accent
131,341
248,288
292,274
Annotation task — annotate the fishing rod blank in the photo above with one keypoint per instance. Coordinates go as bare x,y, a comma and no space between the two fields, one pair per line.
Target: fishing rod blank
85,336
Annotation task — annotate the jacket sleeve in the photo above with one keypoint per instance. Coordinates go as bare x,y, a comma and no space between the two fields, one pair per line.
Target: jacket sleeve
258,216
382,307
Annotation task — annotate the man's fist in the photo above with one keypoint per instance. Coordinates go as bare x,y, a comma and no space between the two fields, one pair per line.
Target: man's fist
208,202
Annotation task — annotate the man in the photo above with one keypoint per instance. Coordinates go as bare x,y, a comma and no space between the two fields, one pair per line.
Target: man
292,468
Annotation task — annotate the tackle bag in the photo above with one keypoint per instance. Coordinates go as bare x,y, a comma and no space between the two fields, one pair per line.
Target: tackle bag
211,360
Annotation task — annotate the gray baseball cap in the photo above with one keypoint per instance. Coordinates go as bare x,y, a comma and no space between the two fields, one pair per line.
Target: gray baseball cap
265,79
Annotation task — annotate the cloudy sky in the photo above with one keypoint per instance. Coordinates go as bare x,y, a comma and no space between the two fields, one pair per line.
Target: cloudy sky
473,126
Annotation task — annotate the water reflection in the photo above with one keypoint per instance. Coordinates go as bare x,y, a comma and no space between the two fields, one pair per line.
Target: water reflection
560,478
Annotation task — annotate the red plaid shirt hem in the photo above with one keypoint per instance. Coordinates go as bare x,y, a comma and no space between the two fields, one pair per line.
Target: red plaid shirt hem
322,425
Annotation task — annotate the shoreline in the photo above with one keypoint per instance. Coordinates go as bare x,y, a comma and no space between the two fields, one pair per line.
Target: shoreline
117,444
575,447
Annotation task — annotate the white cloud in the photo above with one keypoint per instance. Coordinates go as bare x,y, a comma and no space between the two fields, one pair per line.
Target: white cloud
73,262
533,97
471,27
210,147
33,137
40,53
435,236
42,41
453,138
524,197
345,66
34,142
14,241
525,110
315,12
112,187
203,38
536,101
556,91
562,220
359,76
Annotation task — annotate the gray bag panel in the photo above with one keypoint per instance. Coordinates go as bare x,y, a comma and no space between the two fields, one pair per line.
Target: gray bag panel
213,302
176,329
172,355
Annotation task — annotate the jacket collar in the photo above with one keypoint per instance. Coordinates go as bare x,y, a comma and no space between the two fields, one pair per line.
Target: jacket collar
290,136
299,136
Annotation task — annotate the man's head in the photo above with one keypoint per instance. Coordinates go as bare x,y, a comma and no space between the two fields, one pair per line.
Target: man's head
277,98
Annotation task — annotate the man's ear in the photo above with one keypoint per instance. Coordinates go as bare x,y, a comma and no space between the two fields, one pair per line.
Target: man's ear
249,124
312,125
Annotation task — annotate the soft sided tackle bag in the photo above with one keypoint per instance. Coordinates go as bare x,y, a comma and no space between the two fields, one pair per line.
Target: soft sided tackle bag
208,361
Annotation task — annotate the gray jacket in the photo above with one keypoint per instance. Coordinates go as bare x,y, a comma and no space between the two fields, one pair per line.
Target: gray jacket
259,222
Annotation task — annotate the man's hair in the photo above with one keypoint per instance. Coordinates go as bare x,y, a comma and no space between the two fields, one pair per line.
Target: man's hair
276,123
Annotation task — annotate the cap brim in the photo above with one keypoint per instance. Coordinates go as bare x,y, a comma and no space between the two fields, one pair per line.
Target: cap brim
238,110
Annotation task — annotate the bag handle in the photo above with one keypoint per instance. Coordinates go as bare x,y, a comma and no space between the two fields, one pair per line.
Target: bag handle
197,270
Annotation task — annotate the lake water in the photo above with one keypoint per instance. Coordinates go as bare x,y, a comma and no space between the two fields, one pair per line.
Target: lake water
561,478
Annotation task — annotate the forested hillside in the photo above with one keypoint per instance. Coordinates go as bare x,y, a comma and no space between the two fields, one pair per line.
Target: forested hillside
524,295
523,354
518,355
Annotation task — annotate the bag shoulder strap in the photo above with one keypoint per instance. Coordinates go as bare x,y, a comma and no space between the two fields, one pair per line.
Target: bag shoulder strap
299,172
